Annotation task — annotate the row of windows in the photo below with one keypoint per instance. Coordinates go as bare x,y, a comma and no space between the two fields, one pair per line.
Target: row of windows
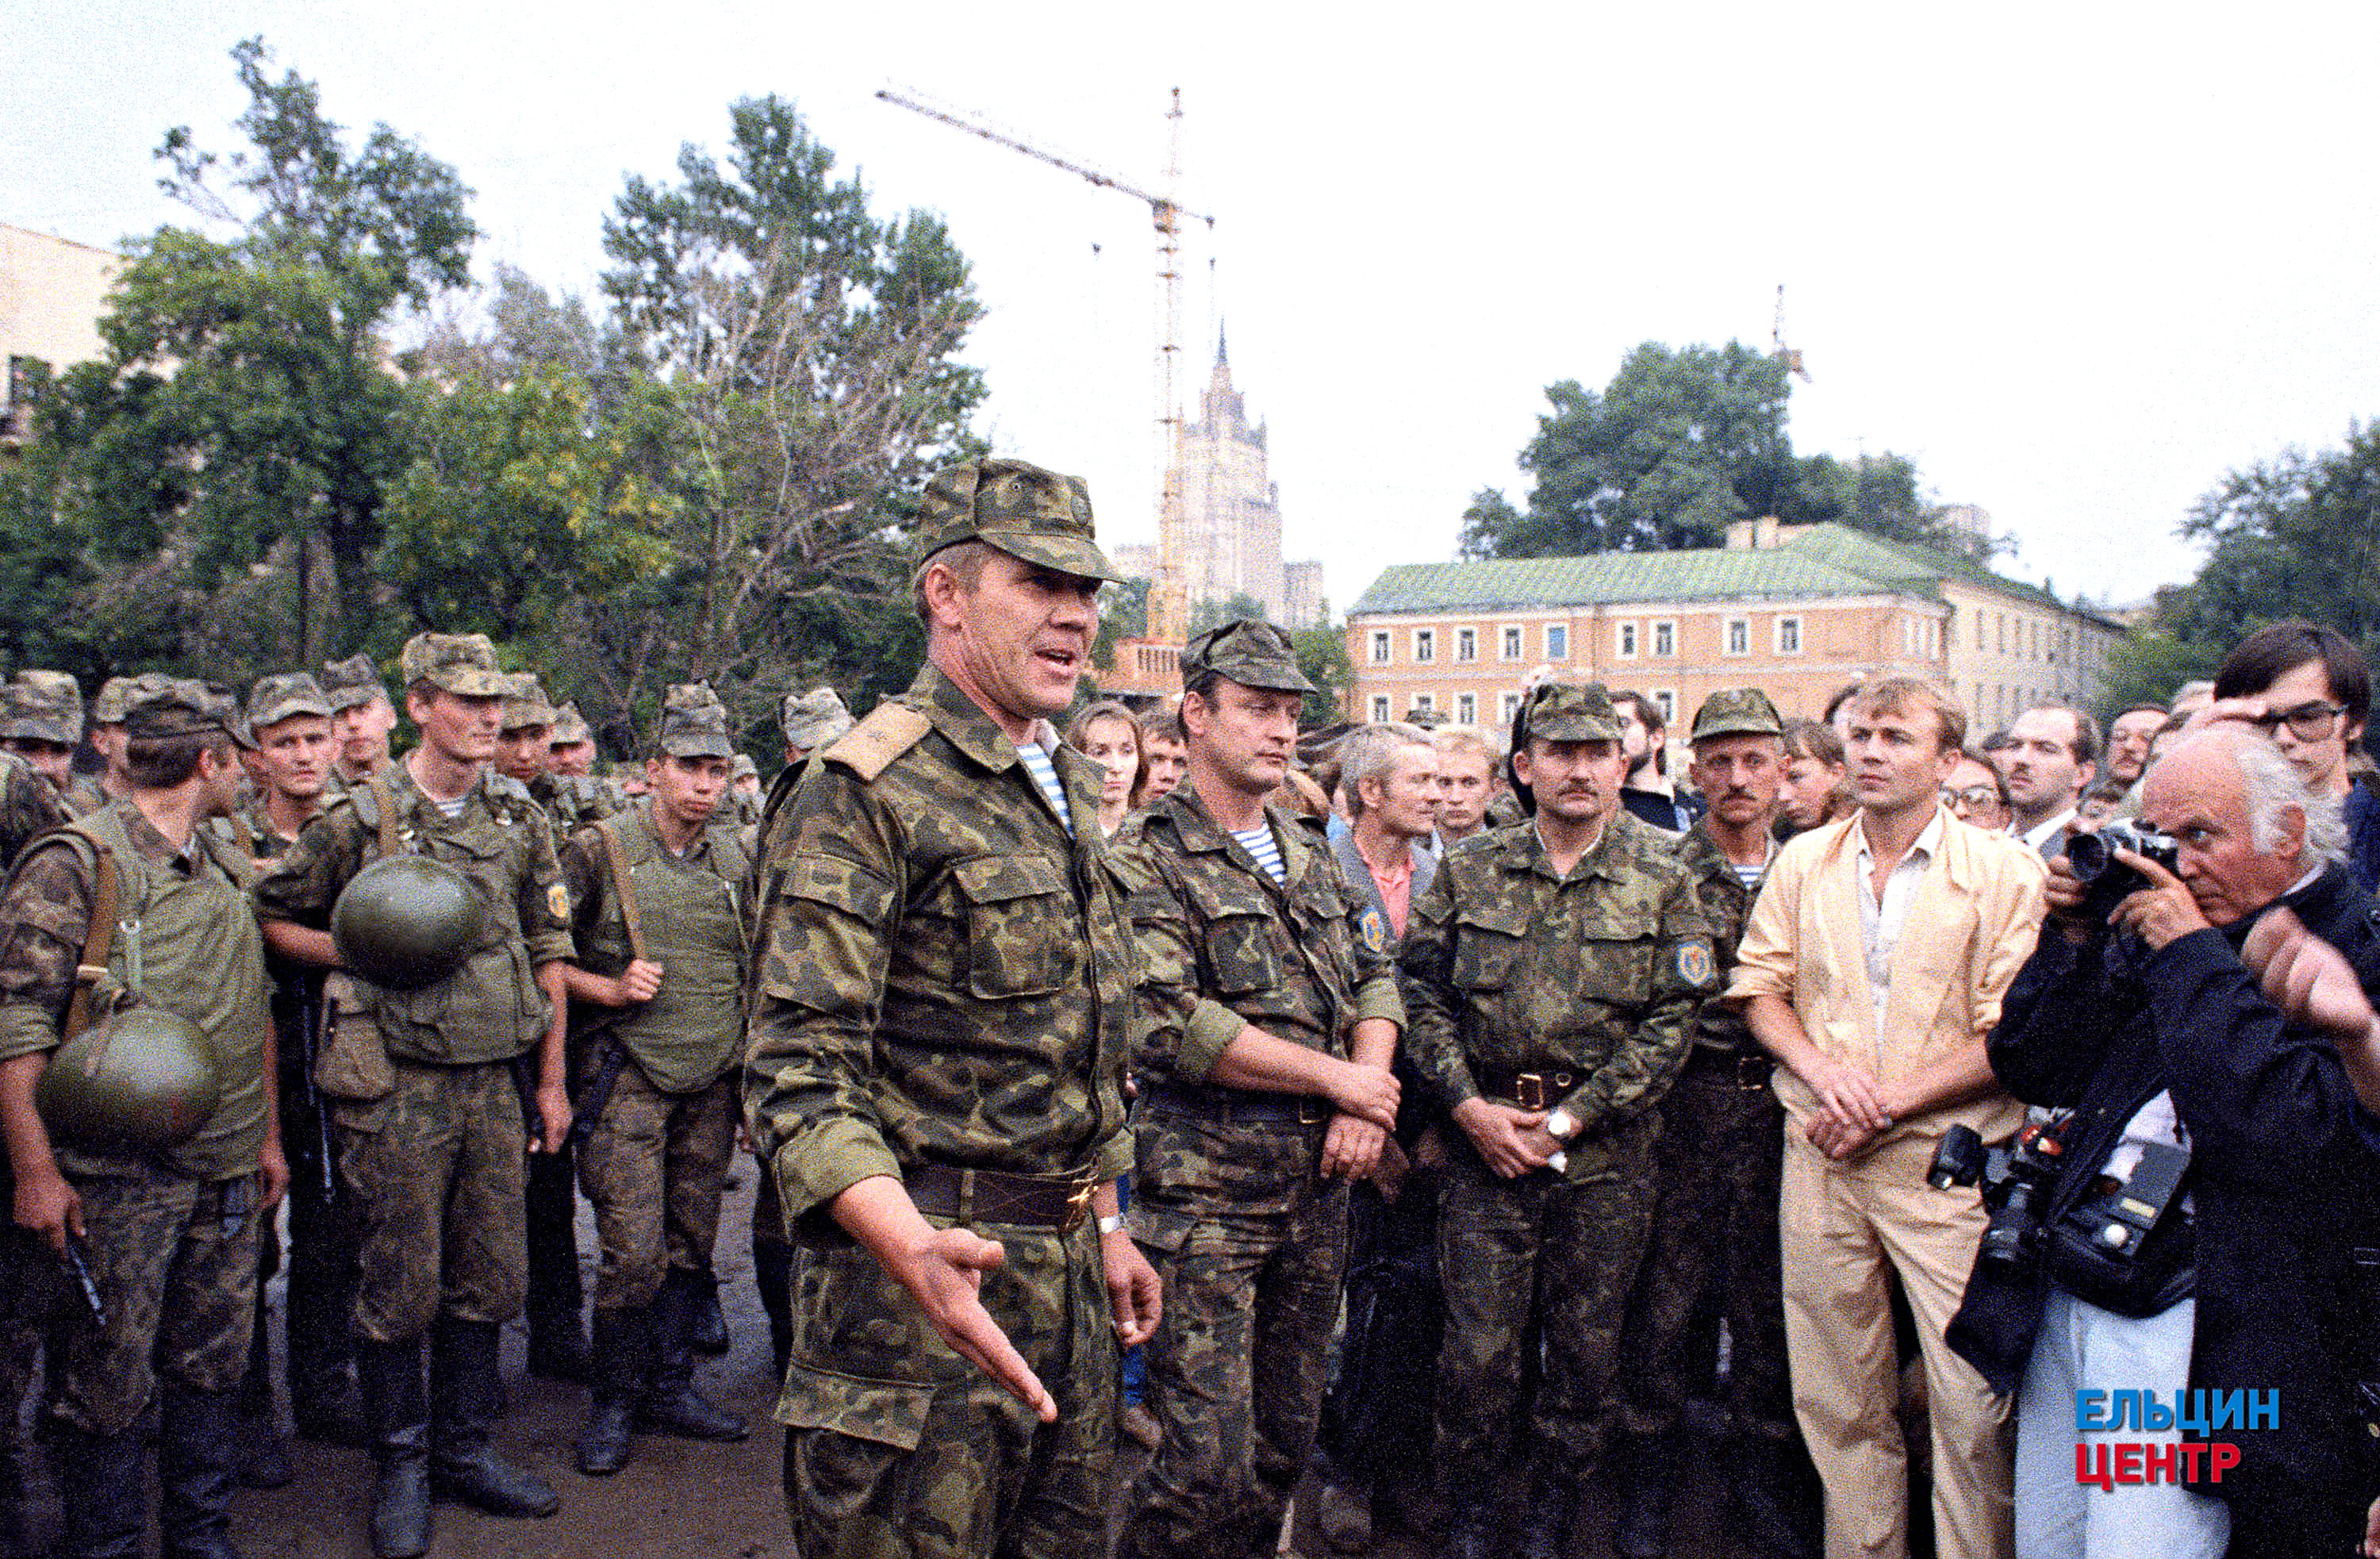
1736,637
2061,642
1466,643
1464,709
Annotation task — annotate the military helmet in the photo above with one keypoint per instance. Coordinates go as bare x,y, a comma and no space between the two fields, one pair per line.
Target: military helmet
143,1079
404,922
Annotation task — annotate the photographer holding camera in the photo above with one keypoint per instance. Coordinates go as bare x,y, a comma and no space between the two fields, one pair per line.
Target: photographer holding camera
2199,1208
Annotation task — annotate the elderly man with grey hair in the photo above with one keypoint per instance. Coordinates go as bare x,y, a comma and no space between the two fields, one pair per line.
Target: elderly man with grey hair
1389,773
2197,1236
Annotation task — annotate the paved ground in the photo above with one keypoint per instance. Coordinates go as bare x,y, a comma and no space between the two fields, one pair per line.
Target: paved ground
680,1500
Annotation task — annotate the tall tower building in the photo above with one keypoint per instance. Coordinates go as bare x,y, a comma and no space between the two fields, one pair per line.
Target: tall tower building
1231,509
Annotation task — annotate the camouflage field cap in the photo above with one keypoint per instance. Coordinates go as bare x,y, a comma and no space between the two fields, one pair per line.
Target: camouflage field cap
460,663
524,702
353,681
285,695
1737,712
569,726
813,720
120,693
1250,651
694,722
1570,712
43,706
181,709
1042,516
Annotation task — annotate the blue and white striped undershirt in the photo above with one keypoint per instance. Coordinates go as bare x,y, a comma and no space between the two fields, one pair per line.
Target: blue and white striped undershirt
1257,842
1045,774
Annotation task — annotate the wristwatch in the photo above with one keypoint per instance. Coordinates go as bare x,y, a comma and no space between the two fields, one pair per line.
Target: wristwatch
1111,1223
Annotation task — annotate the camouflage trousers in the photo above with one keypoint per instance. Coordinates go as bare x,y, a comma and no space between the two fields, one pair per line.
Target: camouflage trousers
29,1277
1251,1245
1539,1255
437,1170
654,1169
175,1263
1715,1176
898,1448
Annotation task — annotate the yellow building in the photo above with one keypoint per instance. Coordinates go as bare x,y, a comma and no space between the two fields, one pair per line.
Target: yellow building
1798,611
52,292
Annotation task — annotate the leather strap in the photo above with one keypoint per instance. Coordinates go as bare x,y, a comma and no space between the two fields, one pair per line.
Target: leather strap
629,914
384,800
991,1195
1532,1087
106,888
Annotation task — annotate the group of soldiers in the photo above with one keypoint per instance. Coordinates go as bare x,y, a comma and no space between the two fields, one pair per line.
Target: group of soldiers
950,1016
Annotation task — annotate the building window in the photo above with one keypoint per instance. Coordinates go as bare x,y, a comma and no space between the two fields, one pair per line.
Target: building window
1512,705
1424,703
1379,646
1466,709
1425,645
1667,697
1627,649
1665,639
1738,636
1557,641
1379,709
1467,644
1513,651
1788,636
2000,620
1932,628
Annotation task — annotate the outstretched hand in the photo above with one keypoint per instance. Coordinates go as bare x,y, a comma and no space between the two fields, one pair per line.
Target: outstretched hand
944,1271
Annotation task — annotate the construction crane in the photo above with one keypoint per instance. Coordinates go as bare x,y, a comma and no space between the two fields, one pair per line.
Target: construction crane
1168,606
1790,356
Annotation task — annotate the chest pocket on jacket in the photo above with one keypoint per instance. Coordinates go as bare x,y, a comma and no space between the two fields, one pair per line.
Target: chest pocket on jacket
1020,924
1616,949
1241,957
1488,943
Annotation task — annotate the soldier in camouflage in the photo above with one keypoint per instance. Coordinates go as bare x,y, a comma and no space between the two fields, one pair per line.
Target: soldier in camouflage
434,1084
1552,970
570,743
941,1013
659,1010
170,1236
40,723
1270,1025
116,694
362,719
1715,1178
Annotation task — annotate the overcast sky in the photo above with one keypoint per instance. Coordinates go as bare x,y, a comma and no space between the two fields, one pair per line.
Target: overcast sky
2076,260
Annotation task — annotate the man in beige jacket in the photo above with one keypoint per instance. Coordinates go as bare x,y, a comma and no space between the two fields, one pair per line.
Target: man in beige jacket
1872,968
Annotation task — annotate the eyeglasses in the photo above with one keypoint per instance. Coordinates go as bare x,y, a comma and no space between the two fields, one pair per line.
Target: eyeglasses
2308,722
1973,796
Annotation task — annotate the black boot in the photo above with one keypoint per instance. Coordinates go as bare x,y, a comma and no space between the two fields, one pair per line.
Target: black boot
709,1321
463,1385
389,1375
672,1405
1471,1534
624,1362
1546,1520
100,1493
1651,1472
197,1456
1775,1498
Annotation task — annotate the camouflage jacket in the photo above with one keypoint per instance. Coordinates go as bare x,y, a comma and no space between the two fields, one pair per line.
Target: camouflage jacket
28,808
943,974
491,1009
1222,945
1507,965
1726,904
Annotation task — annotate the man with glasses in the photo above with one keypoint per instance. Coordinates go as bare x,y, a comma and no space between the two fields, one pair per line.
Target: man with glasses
1975,793
2309,689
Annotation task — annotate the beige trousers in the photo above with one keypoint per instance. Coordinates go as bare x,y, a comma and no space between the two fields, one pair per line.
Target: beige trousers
1843,1225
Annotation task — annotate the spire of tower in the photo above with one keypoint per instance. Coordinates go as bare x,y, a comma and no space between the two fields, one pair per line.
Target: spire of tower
1224,342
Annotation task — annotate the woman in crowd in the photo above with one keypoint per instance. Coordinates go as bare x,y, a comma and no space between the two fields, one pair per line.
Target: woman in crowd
1106,733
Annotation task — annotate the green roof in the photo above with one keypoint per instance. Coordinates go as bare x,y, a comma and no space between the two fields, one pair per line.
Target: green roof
1822,561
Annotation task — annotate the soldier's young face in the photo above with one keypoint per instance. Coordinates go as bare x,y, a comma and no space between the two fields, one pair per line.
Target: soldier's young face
1024,634
522,752
1406,796
1168,760
363,730
461,727
294,756
1573,782
687,788
1809,783
1897,757
1740,776
1462,790
574,758
1244,735
50,760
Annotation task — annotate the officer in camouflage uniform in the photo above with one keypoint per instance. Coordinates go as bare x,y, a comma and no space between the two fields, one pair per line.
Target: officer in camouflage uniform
1715,1176
809,721
1552,971
432,1086
935,1067
170,1236
361,717
1264,1065
42,723
659,1013
557,1295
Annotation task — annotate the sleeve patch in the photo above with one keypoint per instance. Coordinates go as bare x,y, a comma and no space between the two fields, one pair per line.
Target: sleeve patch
557,899
1695,965
1373,926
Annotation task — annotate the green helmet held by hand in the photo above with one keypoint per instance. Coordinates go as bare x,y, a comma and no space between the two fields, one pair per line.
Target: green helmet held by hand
405,923
143,1079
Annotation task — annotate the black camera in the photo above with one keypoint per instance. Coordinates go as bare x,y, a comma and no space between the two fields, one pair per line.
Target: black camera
2107,880
2016,1179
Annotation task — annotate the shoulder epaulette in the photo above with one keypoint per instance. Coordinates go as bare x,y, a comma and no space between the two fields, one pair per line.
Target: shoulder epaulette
869,748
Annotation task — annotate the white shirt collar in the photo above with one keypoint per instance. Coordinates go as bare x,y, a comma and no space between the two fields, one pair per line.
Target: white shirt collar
2036,837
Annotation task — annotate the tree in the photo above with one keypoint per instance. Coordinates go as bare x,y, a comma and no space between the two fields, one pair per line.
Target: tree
1215,614
1124,614
1322,656
243,403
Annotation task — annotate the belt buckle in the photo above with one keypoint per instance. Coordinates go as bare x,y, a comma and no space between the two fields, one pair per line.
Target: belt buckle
1752,1073
1310,1111
1529,1090
1078,1203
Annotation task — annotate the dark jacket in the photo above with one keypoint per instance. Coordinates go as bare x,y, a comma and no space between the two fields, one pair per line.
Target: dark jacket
2283,1171
2361,815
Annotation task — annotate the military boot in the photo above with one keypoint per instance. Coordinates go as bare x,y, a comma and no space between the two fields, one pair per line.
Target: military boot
463,1386
709,1321
671,1405
101,1489
389,1375
1546,1519
324,1401
197,1455
623,1366
1650,1467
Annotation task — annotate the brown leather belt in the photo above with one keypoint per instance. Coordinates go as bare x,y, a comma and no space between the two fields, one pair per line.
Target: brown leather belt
991,1195
1533,1088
